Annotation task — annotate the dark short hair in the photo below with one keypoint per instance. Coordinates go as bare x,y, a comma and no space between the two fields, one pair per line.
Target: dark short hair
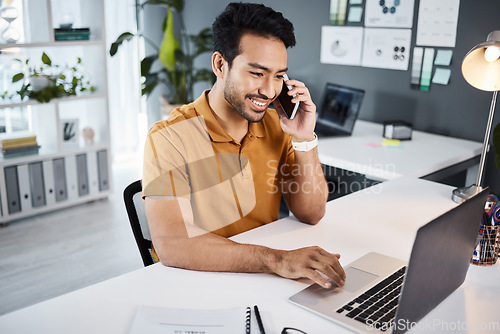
240,18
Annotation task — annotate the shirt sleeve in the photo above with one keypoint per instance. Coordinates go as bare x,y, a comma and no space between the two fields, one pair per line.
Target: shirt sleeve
165,169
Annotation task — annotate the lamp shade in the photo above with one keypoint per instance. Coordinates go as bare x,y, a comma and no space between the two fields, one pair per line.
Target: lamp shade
481,68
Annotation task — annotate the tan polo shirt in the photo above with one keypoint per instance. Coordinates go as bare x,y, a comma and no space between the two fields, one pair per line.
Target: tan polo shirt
232,187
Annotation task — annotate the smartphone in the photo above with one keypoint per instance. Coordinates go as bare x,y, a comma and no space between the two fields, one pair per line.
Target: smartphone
285,100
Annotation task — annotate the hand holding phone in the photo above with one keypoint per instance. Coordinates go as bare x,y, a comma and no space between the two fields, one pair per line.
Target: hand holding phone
285,100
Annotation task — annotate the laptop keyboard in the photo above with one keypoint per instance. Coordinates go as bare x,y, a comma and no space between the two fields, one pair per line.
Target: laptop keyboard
377,306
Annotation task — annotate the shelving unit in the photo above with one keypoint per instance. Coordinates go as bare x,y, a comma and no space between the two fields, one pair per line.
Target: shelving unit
59,175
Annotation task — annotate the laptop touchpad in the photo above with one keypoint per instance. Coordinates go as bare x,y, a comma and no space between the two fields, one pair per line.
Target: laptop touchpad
357,279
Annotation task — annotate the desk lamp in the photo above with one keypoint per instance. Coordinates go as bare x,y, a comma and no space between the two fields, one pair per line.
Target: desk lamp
481,69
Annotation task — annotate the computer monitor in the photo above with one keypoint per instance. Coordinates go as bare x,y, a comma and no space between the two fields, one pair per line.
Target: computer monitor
339,110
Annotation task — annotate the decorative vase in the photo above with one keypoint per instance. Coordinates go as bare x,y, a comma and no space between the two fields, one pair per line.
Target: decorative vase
167,107
40,82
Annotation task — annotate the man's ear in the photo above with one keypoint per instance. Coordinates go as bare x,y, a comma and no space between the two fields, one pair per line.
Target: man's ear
219,64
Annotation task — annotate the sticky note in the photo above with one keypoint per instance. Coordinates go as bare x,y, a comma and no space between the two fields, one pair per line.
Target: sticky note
355,14
391,142
372,145
342,12
416,67
441,76
425,79
443,57
334,10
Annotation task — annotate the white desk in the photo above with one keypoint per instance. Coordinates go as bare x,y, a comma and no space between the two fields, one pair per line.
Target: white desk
375,219
422,157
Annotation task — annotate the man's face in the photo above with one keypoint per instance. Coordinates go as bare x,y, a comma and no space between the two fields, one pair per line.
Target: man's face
256,76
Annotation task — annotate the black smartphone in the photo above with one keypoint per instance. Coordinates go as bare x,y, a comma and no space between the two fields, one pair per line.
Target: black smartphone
285,100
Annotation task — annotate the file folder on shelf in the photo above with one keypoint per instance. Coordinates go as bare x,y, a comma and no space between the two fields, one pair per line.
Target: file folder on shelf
12,187
48,178
102,162
60,180
92,173
37,184
23,177
71,177
81,170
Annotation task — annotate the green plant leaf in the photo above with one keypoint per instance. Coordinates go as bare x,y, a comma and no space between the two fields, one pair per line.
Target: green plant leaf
24,91
169,44
17,77
46,59
148,88
178,5
203,42
180,57
146,64
126,36
496,138
205,75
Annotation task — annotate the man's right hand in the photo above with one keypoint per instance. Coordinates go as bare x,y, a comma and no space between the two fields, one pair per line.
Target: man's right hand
310,262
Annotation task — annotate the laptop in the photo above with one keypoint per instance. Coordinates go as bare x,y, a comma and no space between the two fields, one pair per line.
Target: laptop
384,295
339,110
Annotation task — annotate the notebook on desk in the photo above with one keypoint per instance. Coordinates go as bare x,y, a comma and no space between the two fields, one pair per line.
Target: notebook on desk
339,110
384,294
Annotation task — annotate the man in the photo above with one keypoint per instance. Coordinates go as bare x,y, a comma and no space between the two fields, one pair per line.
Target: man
218,167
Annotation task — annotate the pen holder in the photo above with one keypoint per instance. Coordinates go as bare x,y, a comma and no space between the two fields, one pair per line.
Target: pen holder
486,251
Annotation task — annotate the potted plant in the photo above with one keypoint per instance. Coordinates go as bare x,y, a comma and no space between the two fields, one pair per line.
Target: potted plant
496,144
176,55
49,80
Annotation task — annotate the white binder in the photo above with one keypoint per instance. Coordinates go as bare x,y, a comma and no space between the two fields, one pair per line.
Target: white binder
93,173
71,177
48,177
23,177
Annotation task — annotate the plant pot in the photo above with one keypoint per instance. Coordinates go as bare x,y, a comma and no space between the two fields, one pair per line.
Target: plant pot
166,107
40,82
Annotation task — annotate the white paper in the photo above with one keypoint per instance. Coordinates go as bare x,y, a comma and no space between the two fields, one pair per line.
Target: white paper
355,14
394,14
441,76
437,22
443,57
342,12
341,45
386,48
416,69
165,320
334,10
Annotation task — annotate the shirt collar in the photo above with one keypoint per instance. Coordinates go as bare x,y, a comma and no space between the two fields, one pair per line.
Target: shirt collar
215,130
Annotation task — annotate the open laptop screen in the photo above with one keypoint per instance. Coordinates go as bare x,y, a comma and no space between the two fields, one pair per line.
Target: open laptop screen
340,108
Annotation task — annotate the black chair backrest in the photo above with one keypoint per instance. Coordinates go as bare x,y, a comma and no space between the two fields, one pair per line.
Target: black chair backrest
134,204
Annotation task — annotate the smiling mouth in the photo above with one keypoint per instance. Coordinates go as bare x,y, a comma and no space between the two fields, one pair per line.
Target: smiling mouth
260,104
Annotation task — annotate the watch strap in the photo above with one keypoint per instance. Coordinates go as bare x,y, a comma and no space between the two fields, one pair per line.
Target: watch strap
305,146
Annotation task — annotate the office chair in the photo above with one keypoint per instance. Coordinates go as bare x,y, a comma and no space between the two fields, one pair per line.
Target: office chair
137,217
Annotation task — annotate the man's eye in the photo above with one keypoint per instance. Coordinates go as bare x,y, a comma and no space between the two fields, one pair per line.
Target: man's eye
257,74
280,77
